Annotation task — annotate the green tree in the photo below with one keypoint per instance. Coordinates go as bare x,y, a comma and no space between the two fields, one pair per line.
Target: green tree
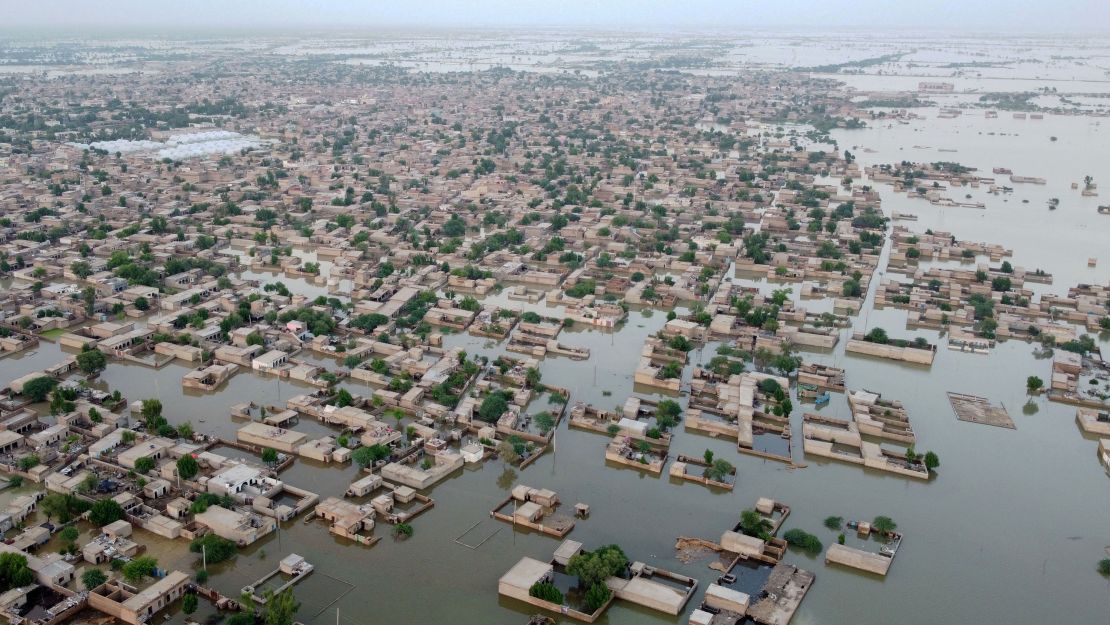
803,540
884,524
137,569
402,530
1033,384
367,456
752,523
187,467
91,361
63,508
151,409
38,388
14,572
215,548
92,578
596,596
343,398
1104,566
834,522
547,592
189,603
493,406
281,608
667,413
544,421
105,512
594,567
932,461
269,455
144,465
719,470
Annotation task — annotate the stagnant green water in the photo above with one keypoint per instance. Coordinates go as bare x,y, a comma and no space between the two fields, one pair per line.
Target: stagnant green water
1009,531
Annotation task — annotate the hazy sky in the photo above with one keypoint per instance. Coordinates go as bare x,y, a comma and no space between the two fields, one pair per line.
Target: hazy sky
991,16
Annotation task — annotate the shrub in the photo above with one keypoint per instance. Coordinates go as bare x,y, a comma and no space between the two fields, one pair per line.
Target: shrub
719,470
215,548
803,540
546,591
833,522
594,567
189,603
187,467
38,389
92,578
139,568
884,524
1104,566
596,597
493,406
144,464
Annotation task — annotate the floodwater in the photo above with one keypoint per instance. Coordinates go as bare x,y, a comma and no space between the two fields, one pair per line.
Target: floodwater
1008,531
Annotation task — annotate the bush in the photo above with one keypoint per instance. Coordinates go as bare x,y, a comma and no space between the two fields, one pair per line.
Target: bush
38,389
144,464
594,567
139,568
932,461
189,604
187,467
719,470
803,540
546,591
596,597
367,456
493,406
884,524
1033,384
215,548
1104,566
14,571
833,522
92,578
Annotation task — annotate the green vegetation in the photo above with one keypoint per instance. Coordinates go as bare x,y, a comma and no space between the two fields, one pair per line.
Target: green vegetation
14,572
402,530
187,467
546,591
1033,384
91,361
368,456
803,540
719,470
593,568
105,512
92,578
493,406
63,508
189,603
137,569
752,523
215,548
834,522
38,388
883,524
